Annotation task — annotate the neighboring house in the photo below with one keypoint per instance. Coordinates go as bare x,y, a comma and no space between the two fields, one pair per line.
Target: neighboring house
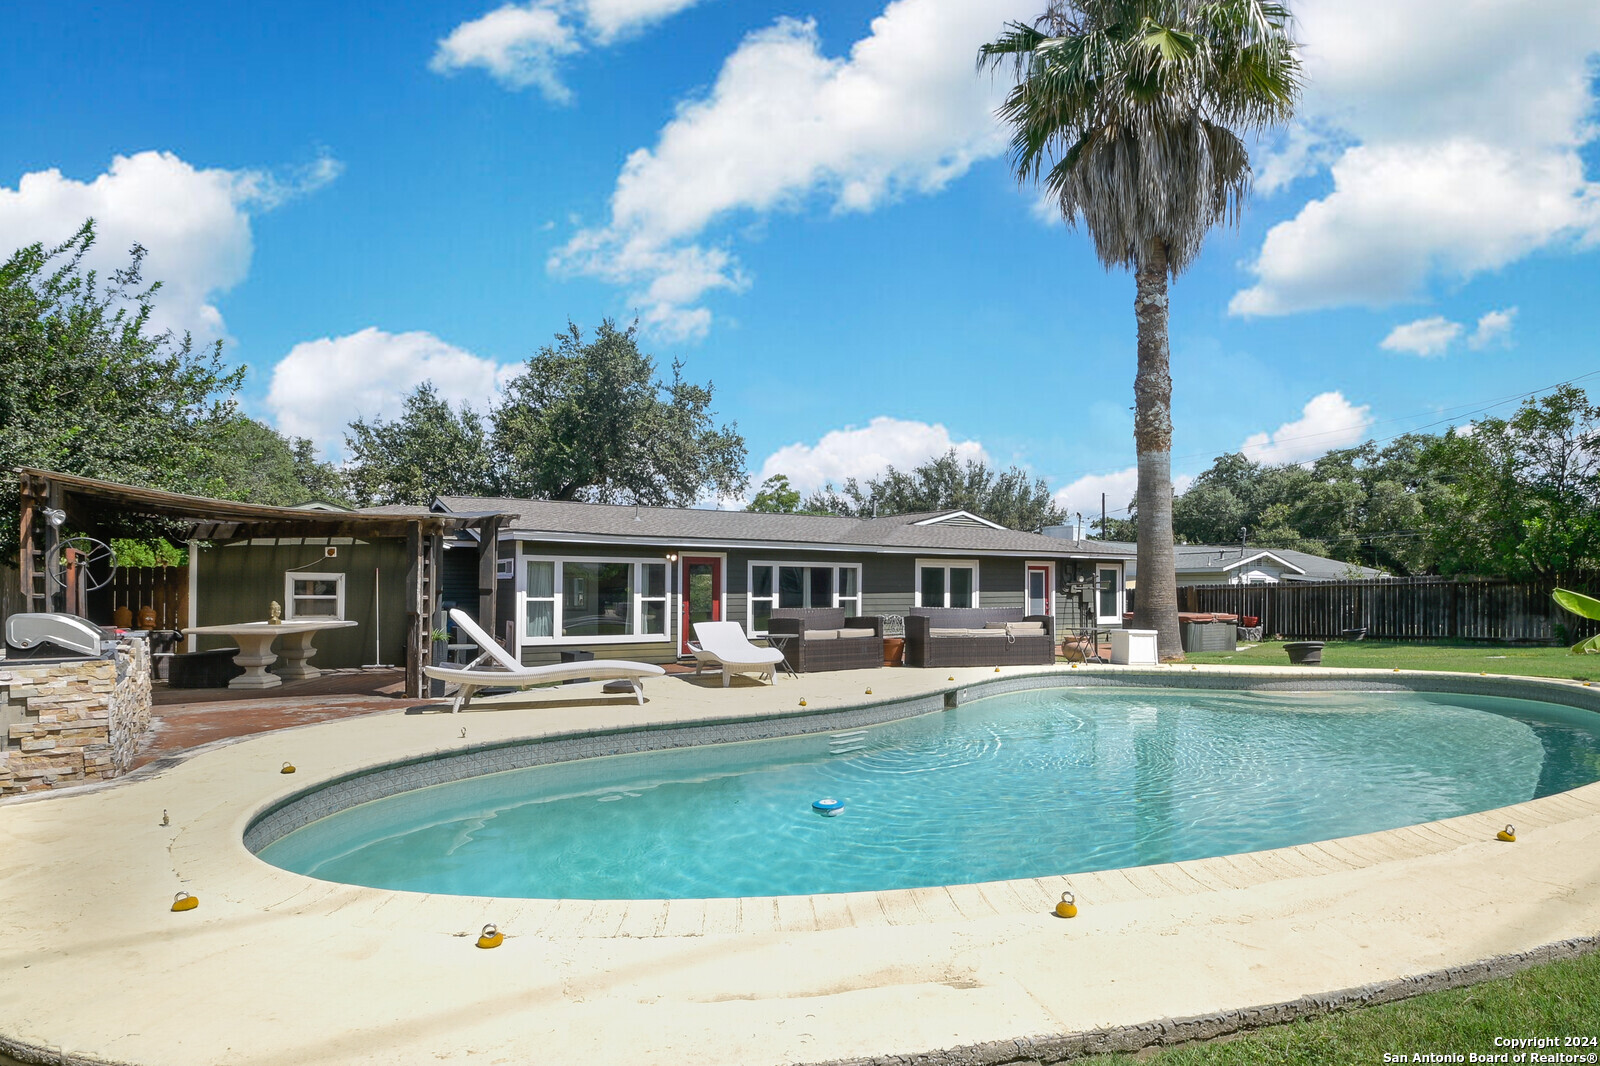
1220,564
628,582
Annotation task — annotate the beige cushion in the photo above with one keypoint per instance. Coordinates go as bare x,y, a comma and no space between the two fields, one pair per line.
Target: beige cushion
1017,627
966,632
853,631
822,634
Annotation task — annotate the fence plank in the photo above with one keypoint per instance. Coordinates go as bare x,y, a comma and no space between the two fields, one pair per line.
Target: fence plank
1410,609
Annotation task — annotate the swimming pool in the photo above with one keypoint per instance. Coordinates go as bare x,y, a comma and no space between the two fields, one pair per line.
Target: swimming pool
1049,781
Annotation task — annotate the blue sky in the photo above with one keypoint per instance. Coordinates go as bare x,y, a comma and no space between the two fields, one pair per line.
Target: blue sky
808,202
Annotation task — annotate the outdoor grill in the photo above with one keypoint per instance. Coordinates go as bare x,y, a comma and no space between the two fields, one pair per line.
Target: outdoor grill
56,636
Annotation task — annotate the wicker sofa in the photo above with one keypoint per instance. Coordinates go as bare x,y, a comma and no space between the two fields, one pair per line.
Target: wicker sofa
978,636
822,638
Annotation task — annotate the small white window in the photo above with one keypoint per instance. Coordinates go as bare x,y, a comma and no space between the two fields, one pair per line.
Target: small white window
505,569
308,595
942,583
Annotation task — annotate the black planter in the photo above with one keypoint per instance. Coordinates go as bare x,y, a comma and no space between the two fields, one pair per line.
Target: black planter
1355,634
1304,652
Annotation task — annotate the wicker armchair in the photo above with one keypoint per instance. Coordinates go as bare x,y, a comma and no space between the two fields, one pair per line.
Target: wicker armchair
807,649
964,637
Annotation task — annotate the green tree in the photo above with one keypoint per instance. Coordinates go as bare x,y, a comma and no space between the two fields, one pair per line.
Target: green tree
249,460
1009,497
1131,113
431,449
86,388
776,497
1522,496
591,421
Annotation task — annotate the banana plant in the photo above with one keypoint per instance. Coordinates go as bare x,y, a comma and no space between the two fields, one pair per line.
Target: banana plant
1584,607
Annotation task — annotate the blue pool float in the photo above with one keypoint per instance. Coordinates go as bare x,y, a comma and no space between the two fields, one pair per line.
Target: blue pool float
828,807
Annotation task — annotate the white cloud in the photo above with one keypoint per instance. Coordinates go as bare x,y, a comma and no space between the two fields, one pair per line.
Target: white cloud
864,452
1425,336
784,125
1447,160
194,224
1328,421
522,45
321,386
1494,328
1434,336
1120,487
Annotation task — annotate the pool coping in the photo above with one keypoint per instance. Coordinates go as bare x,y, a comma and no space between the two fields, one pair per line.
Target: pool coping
203,852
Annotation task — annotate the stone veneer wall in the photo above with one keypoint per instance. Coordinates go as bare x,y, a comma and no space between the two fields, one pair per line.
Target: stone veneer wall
73,721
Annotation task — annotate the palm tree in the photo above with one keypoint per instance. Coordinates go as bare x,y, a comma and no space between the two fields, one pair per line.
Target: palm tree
1133,112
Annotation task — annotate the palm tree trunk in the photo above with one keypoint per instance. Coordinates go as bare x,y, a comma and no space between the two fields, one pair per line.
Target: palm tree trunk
1156,601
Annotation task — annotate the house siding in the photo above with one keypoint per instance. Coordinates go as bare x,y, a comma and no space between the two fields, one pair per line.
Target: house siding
888,583
237,580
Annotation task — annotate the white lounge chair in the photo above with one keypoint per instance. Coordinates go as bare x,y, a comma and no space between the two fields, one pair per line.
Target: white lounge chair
723,644
498,668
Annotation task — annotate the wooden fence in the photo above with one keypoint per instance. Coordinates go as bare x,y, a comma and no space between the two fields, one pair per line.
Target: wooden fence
164,589
10,594
1401,609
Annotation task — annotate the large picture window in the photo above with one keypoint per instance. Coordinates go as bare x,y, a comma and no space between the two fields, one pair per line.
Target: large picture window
947,583
313,595
801,585
584,601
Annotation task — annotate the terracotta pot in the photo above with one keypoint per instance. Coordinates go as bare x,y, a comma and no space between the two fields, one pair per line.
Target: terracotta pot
122,618
894,651
1250,621
147,618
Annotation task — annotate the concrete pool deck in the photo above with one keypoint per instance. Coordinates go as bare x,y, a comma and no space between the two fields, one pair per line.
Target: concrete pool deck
273,967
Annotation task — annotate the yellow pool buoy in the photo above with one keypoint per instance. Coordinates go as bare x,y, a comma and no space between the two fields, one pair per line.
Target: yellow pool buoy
1508,833
802,701
288,768
491,937
185,902
1068,907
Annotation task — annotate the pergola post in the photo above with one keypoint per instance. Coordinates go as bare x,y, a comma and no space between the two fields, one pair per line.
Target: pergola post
488,572
417,613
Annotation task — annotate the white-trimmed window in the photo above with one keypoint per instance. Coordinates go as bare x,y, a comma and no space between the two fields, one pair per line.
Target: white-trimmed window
307,595
947,583
801,585
592,601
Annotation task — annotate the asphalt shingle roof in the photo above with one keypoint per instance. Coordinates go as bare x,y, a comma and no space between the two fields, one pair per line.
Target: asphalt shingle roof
680,524
1218,557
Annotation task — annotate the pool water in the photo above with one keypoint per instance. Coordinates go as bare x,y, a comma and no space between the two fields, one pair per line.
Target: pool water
1027,784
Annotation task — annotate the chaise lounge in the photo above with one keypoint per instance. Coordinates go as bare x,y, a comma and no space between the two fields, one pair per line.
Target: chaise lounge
979,636
497,668
723,645
822,638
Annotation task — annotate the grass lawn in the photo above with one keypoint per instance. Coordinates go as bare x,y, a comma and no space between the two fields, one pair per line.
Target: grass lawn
1517,659
1557,999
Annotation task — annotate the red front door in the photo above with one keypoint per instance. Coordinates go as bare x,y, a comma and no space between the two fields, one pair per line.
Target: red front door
700,592
1039,589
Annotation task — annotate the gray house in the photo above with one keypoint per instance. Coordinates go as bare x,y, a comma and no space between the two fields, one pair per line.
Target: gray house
628,582
1224,564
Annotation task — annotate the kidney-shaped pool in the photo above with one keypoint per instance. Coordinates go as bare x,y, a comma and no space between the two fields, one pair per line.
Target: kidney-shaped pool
1025,784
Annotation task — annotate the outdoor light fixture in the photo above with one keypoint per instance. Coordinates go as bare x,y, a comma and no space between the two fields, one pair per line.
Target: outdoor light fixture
55,515
672,557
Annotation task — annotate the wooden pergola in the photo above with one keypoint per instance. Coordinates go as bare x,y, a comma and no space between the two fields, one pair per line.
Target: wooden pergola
107,509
